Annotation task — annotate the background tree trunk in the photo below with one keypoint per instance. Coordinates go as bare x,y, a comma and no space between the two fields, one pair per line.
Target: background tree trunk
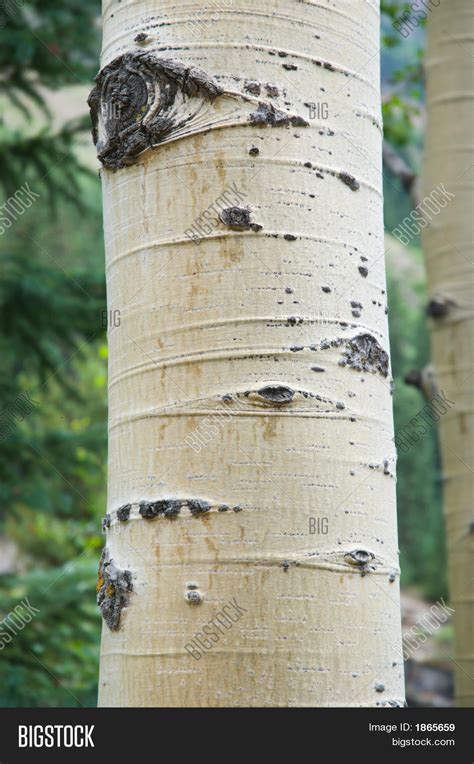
250,430
448,246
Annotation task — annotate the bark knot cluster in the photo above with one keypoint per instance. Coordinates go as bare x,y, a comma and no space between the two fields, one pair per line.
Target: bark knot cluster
172,508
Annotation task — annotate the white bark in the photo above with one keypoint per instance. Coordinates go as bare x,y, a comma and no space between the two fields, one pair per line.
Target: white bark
242,375
448,246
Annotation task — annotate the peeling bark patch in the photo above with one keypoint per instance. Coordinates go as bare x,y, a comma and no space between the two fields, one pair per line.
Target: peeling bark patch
238,218
123,513
113,588
276,394
135,101
349,180
268,115
364,353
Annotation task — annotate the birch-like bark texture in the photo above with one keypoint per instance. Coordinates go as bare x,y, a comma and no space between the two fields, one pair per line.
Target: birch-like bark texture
448,246
253,560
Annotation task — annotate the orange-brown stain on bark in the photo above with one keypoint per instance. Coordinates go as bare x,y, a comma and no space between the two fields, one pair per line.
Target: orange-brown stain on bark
269,427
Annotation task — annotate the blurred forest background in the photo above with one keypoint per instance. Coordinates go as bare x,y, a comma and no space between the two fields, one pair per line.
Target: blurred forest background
54,352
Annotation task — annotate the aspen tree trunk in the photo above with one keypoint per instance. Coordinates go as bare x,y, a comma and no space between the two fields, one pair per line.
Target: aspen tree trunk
251,554
448,246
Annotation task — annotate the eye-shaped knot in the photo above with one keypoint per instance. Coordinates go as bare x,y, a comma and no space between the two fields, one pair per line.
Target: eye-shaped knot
139,99
359,557
275,394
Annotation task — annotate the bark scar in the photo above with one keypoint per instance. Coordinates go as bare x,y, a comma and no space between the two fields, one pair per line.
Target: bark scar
138,99
172,507
268,115
239,219
364,353
113,588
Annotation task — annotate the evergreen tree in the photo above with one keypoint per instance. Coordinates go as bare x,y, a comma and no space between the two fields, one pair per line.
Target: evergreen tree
52,386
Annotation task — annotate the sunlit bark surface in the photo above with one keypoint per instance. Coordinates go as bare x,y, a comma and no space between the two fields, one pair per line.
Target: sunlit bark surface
250,424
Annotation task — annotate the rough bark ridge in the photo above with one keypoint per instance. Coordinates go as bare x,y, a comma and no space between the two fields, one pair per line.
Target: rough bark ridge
249,379
448,245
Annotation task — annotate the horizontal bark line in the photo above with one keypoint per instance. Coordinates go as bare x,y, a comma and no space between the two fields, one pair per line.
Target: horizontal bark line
274,321
227,233
243,353
380,567
453,97
348,416
150,25
331,67
244,651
